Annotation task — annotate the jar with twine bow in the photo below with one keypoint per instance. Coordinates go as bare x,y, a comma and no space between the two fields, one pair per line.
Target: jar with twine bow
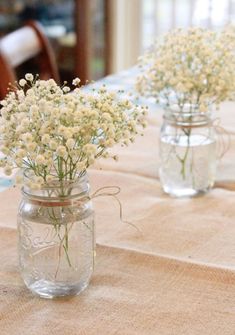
53,136
188,71
57,235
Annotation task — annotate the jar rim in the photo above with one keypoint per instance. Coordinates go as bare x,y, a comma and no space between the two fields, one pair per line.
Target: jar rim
196,119
57,190
57,201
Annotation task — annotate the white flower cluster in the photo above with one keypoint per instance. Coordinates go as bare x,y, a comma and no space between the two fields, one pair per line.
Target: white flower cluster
193,66
56,135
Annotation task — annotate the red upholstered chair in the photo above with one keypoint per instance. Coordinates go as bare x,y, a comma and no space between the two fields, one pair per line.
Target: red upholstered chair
22,45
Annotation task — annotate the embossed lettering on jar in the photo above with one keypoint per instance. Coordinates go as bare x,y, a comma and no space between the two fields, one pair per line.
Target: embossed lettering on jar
56,238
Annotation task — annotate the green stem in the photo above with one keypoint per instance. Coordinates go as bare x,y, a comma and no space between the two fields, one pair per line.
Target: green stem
184,159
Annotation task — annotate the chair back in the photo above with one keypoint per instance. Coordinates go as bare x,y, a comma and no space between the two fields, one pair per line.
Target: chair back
22,45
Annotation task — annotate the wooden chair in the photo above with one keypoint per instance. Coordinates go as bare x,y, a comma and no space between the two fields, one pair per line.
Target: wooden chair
22,45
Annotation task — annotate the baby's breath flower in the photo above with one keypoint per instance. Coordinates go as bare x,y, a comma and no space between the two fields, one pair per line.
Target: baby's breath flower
22,107
40,160
25,123
58,135
3,102
81,165
67,134
27,137
105,155
46,139
29,77
34,109
90,149
22,82
21,153
70,143
5,150
31,146
7,170
2,162
52,83
110,142
76,81
61,151
39,180
53,144
195,64
66,89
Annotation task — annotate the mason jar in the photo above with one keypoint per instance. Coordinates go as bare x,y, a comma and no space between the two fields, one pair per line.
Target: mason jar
187,153
56,238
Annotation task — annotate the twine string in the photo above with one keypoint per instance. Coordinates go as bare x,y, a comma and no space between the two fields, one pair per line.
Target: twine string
224,138
114,192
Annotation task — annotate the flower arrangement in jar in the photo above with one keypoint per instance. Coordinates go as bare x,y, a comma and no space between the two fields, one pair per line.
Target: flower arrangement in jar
54,136
188,72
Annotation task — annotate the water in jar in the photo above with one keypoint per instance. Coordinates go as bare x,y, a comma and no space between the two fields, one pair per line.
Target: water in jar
188,164
55,259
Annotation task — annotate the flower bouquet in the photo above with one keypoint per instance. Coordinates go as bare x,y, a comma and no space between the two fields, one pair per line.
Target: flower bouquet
188,72
53,136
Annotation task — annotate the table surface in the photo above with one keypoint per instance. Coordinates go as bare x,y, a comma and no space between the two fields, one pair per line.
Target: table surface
176,277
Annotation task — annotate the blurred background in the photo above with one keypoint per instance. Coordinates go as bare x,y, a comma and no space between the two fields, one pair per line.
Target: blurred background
92,38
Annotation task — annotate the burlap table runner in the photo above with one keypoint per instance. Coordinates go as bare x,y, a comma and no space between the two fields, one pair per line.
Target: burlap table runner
130,293
177,277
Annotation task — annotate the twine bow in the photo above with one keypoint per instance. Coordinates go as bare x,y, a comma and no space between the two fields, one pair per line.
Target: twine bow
59,202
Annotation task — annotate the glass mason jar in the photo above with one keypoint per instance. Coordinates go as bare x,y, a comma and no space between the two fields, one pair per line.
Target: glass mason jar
56,238
187,153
